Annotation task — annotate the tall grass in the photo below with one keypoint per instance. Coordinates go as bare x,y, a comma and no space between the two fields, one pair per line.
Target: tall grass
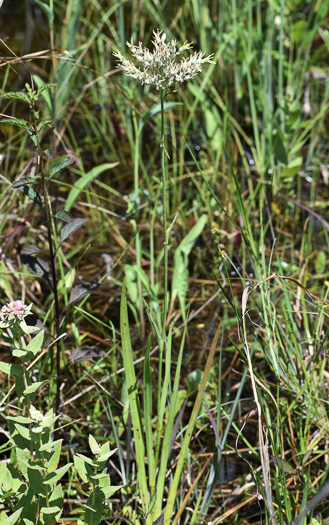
243,301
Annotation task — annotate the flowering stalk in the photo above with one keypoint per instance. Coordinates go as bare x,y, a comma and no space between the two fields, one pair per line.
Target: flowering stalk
161,69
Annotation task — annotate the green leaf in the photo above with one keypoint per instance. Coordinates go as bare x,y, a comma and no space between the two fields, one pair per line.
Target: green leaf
45,87
20,96
130,376
84,181
53,477
15,122
47,11
131,280
13,518
35,386
81,468
50,510
94,507
23,182
10,369
35,345
150,113
36,481
82,290
293,168
278,146
180,277
94,446
19,419
71,228
44,123
109,491
105,457
31,194
56,167
320,262
23,431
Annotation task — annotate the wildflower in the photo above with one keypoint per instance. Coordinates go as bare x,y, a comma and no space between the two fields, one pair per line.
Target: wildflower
161,67
36,415
16,310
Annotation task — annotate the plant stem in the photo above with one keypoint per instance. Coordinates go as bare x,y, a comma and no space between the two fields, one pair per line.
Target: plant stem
138,243
48,214
162,344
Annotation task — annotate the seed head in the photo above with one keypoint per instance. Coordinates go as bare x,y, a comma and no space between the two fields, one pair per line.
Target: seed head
161,67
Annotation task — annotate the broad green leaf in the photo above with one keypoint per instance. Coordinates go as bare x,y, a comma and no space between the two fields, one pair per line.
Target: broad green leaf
23,431
293,168
19,419
53,477
278,146
35,386
11,369
95,505
81,468
36,481
94,446
105,457
84,181
13,518
109,491
35,345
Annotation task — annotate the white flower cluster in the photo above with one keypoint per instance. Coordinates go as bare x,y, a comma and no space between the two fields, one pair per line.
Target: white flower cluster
160,68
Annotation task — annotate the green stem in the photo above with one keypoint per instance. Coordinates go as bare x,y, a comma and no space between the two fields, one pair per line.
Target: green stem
52,255
188,434
138,243
162,344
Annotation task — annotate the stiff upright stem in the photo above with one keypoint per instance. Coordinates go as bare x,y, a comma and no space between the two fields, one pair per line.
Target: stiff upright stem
162,344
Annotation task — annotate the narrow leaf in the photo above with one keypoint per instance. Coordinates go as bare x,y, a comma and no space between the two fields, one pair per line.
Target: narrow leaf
82,290
84,181
56,168
71,228
85,353
14,94
30,250
63,216
23,181
15,122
